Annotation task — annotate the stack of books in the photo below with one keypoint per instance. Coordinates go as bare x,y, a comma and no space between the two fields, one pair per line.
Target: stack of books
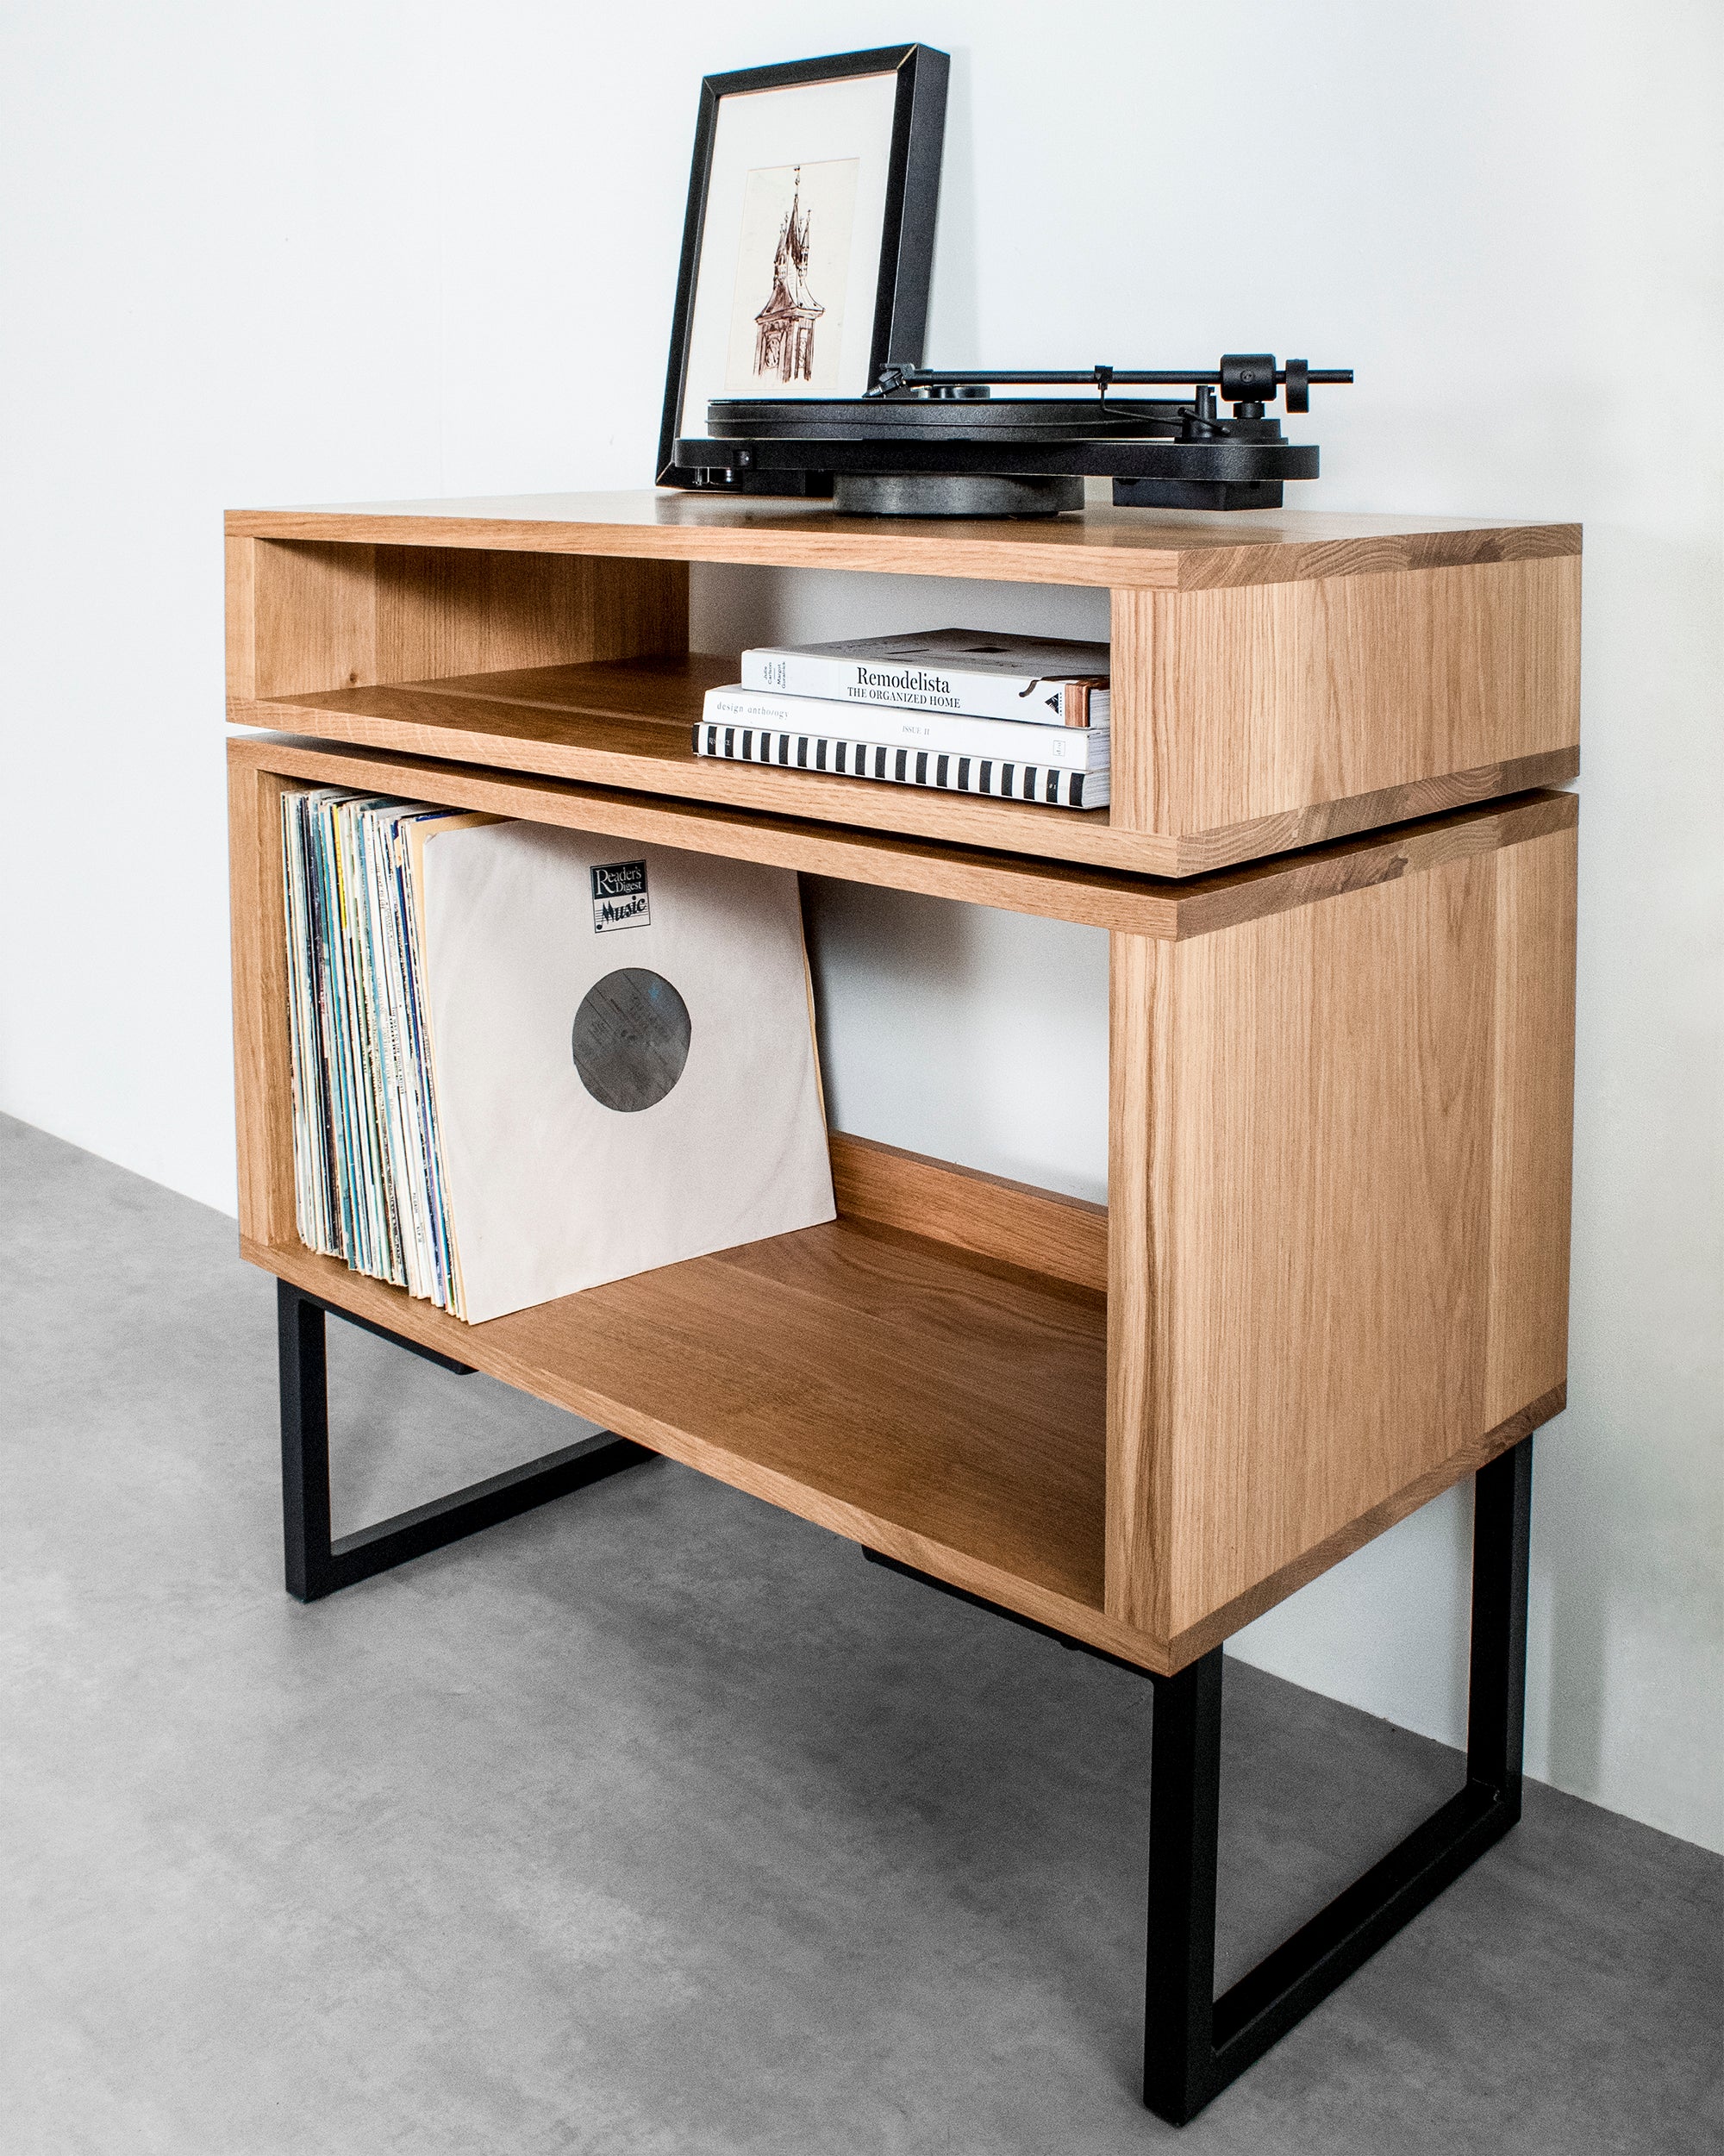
967,710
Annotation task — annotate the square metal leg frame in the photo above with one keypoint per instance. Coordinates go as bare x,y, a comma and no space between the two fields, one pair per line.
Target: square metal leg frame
1194,2044
318,1566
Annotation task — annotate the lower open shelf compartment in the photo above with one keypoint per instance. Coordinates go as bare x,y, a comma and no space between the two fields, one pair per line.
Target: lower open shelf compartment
897,1379
942,1407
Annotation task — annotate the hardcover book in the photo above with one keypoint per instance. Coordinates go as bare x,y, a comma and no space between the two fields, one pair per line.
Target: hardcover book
898,726
981,674
1043,783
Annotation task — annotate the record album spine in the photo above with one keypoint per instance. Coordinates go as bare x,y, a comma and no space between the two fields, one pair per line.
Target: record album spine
947,773
1022,698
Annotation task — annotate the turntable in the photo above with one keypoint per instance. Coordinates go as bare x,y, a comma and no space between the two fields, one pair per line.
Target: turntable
924,443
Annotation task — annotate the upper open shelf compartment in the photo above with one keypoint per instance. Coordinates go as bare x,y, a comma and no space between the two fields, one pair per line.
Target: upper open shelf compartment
1278,681
628,723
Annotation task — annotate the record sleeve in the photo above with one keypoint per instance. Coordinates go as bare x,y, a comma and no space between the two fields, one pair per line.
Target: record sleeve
624,1057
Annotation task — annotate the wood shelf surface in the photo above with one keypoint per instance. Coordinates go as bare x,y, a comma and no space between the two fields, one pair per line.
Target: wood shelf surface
628,724
1169,910
932,1402
1149,549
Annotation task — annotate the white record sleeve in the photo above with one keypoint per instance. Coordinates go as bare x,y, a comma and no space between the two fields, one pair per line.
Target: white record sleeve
550,1190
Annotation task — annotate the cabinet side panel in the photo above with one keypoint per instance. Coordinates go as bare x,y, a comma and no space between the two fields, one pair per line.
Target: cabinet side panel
263,1075
1332,1161
241,592
304,618
1272,699
1138,778
452,610
1533,1136
314,622
1140,1284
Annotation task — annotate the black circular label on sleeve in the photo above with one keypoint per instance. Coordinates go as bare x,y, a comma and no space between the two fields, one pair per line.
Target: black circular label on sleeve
631,1039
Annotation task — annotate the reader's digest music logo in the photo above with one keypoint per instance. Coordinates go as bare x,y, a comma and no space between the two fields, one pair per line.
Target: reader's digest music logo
619,896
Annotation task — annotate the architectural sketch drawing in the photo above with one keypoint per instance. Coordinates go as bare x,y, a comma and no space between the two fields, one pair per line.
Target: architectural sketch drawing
794,261
784,345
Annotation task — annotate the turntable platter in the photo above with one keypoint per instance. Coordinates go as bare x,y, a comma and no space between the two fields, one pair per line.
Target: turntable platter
1044,419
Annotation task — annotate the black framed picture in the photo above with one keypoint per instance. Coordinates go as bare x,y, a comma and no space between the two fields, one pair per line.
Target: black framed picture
809,242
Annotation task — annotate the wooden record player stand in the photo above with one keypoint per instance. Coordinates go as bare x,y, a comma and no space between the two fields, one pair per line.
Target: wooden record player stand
1331,1280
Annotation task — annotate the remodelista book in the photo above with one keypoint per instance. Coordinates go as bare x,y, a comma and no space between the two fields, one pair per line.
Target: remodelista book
983,673
1006,741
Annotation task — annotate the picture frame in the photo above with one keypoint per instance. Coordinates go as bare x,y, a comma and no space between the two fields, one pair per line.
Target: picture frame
807,245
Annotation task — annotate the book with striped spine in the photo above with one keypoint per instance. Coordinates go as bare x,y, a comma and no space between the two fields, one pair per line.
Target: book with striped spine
1005,740
999,779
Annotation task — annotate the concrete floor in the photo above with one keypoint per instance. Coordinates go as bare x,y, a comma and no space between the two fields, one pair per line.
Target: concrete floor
657,1820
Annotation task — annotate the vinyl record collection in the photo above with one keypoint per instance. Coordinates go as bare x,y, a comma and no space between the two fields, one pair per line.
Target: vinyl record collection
368,1172
512,1051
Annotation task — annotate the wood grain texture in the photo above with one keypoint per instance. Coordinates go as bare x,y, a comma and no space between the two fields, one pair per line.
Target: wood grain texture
1234,709
668,689
239,599
1342,1134
1018,884
1221,1624
304,617
1166,550
1533,1136
263,1077
1330,1212
444,611
895,1389
1208,904
1066,891
1143,1025
629,725
1261,838
650,753
313,618
1016,1223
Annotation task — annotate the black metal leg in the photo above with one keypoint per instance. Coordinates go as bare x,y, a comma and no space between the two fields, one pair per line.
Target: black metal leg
318,1566
1497,1683
1184,1817
1192,2047
304,1442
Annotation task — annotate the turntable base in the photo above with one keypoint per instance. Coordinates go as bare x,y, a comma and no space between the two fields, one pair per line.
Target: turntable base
953,494
933,445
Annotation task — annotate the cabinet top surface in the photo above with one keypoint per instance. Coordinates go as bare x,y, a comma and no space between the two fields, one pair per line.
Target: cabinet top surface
1171,550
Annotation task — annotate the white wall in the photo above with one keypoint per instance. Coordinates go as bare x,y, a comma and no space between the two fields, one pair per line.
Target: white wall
333,251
